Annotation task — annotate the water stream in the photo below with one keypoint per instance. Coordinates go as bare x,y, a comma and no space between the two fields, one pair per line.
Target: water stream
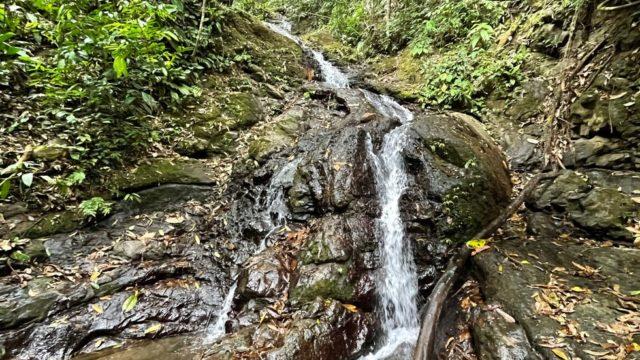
397,282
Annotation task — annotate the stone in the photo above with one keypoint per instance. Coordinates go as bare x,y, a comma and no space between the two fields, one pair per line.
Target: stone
53,150
606,211
279,135
330,243
563,191
263,277
549,39
132,249
328,281
497,339
159,171
514,289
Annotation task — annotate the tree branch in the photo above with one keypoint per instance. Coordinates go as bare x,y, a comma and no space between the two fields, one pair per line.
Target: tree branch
430,319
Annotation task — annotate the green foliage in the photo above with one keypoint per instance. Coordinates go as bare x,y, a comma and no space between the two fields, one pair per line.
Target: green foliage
480,34
94,207
95,73
461,78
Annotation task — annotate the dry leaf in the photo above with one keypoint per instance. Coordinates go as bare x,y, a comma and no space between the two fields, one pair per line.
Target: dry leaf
561,354
97,308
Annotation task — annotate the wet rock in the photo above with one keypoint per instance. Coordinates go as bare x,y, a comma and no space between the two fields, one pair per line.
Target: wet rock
498,339
262,277
329,281
453,159
519,286
132,249
334,333
331,243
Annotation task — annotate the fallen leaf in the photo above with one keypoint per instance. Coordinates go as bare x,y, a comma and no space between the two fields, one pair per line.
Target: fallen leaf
153,329
477,243
350,307
561,354
174,220
130,303
97,308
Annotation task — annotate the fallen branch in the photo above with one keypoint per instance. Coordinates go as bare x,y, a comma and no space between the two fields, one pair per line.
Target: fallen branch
14,168
430,318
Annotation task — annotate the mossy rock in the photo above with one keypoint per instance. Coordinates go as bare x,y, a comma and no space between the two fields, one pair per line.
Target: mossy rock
54,223
606,211
455,160
328,281
277,136
278,56
333,49
399,75
159,171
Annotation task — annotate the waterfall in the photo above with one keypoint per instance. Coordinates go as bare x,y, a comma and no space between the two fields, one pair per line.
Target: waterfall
333,77
397,283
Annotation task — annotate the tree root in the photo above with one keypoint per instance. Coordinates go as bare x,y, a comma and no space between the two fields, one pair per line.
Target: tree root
426,340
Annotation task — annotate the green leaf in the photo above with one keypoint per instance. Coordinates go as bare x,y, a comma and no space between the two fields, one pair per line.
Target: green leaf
120,66
27,179
4,189
149,100
131,302
20,256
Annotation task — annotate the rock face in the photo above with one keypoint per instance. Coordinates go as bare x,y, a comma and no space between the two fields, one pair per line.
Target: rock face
557,292
594,201
457,183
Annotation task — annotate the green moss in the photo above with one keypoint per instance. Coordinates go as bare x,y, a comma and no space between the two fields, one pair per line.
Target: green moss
53,223
332,48
332,283
446,151
159,171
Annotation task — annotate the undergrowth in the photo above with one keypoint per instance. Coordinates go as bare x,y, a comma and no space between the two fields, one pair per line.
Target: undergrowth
93,74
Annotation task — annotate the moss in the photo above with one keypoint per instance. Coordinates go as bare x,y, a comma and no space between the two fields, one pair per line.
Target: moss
446,151
328,281
277,135
54,223
401,75
278,56
159,171
332,48
465,208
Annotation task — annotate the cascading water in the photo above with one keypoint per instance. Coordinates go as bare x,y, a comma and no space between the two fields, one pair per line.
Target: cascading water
397,283
333,77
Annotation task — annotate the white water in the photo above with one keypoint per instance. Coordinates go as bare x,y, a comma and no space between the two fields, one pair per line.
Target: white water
333,77
397,283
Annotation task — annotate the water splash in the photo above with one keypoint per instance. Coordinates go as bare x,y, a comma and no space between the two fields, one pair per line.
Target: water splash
277,211
397,283
333,76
